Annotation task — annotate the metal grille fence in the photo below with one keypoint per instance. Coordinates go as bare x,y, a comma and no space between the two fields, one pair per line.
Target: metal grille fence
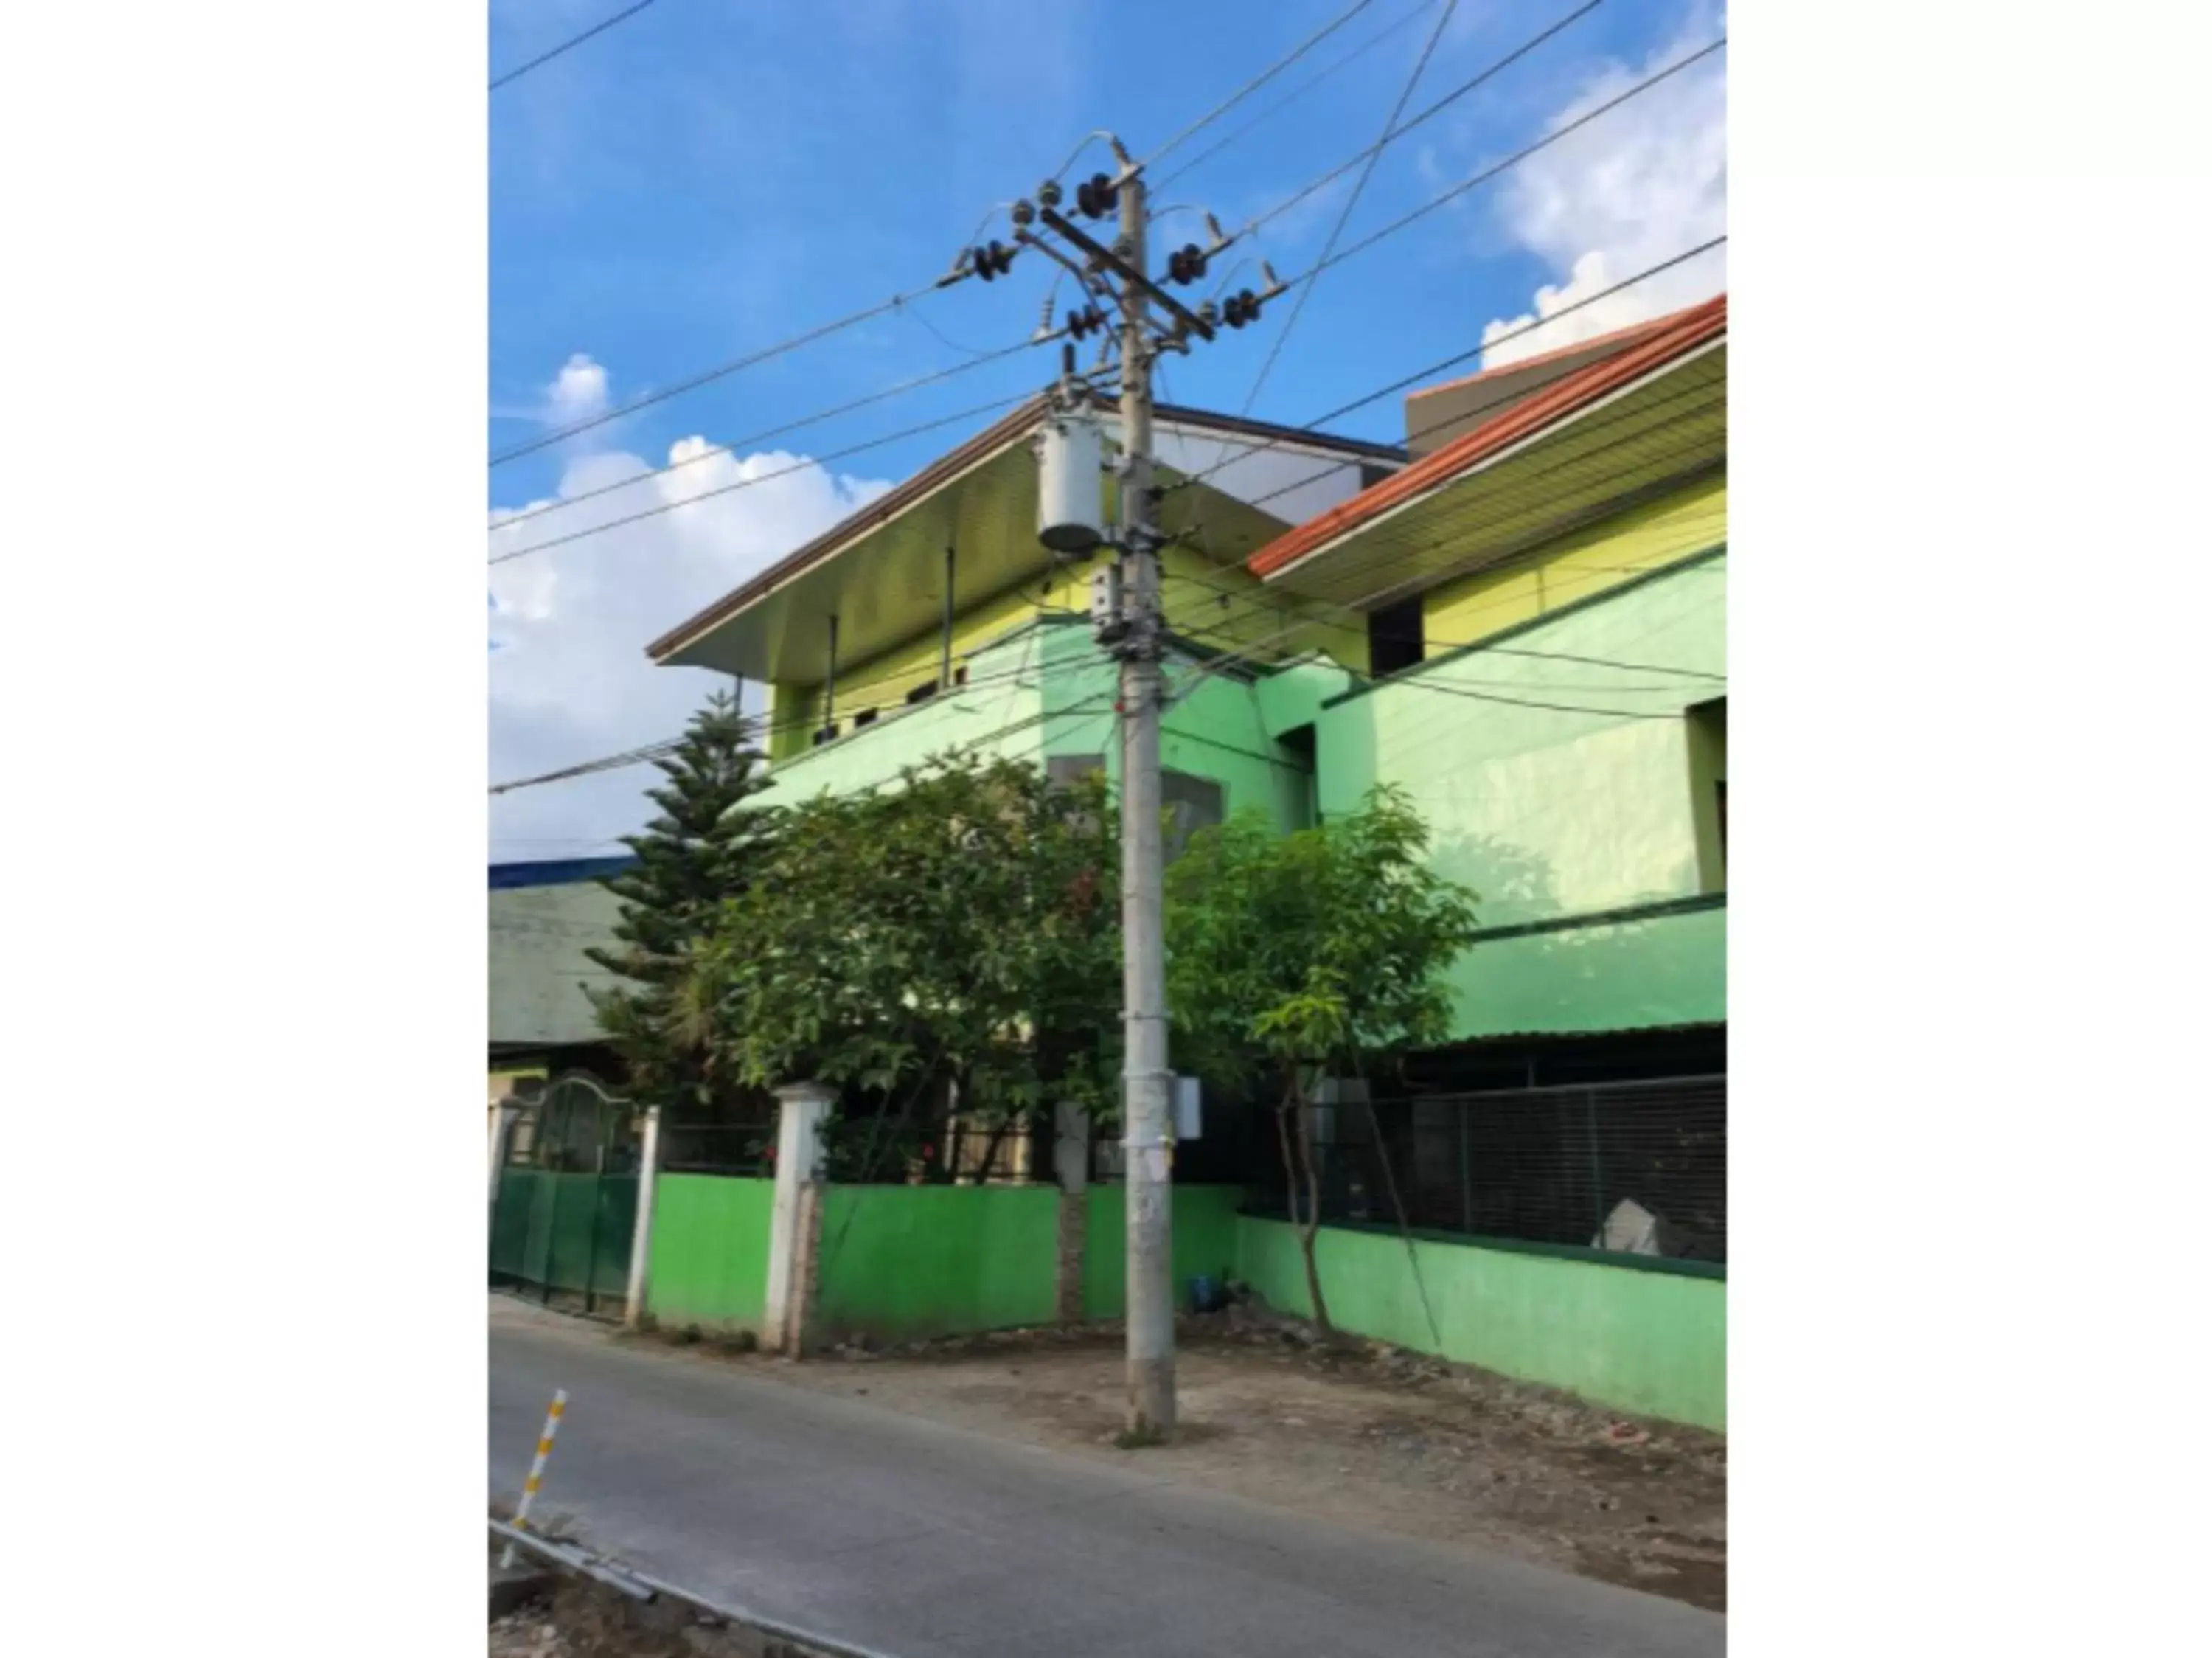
1636,1168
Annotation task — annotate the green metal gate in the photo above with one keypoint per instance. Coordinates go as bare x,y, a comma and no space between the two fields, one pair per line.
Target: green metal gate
568,1199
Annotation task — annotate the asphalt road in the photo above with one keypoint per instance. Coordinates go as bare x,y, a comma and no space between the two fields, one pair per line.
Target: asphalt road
924,1541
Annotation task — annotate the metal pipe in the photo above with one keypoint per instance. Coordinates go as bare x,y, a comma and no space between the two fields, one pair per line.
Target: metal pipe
945,649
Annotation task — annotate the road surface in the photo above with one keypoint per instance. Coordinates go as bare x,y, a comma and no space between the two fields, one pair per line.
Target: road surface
926,1541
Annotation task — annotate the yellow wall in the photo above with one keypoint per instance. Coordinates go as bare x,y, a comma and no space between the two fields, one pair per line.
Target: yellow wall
884,680
1588,561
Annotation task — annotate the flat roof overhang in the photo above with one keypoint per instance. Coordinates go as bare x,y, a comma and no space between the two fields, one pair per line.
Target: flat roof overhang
881,572
1649,435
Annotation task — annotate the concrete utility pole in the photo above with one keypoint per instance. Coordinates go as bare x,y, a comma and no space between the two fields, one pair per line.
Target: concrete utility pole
1125,606
1145,1078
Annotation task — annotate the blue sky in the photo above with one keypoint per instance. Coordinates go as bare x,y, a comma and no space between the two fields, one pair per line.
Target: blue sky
707,176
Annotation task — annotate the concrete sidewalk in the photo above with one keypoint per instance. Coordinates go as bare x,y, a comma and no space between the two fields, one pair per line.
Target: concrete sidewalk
922,1540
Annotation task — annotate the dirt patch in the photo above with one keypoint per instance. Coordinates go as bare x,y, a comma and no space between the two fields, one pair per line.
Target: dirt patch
1356,1431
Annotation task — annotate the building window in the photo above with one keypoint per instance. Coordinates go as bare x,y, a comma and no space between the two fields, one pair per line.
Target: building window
866,717
923,692
1706,730
1193,804
1394,637
1064,770
960,674
827,734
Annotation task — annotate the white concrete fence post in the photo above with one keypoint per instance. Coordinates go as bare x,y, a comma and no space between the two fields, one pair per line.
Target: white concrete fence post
503,1114
802,1107
641,1236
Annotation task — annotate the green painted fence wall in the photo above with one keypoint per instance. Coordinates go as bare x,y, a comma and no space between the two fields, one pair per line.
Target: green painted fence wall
710,1251
903,1262
1204,1232
1651,1342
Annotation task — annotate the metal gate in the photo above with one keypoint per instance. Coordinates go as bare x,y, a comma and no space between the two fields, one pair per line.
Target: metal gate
568,1199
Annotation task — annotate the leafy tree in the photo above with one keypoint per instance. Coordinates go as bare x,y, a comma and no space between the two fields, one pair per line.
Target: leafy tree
1318,953
699,851
957,928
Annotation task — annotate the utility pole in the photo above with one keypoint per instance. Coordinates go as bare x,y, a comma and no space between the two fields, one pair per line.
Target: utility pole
1126,605
1149,1320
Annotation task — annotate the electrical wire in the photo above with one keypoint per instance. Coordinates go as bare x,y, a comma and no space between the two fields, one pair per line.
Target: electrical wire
1254,599
1259,81
721,371
899,390
758,727
1295,94
568,44
1514,160
1311,428
1395,133
1224,663
994,406
1283,335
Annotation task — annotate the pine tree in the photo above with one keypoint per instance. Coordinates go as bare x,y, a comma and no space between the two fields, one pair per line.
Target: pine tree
698,851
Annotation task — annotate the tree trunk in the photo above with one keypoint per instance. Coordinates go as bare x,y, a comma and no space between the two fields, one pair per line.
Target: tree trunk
1310,1227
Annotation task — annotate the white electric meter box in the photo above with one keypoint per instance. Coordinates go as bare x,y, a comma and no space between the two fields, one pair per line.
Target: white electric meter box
1071,515
1188,1119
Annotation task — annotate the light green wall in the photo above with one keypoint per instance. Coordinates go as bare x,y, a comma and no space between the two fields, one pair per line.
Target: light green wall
1657,970
1050,690
1549,812
902,1262
1203,1230
1650,1342
1214,730
710,1251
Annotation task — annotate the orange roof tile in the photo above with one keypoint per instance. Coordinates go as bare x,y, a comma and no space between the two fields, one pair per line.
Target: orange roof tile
1681,333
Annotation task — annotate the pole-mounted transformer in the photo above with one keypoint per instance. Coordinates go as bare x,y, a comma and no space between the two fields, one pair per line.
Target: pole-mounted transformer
1071,448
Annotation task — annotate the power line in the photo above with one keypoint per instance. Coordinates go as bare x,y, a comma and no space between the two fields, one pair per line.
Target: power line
1515,159
1259,81
568,44
1296,93
1275,350
760,727
1526,483
1395,133
723,370
1311,427
789,426
763,478
1221,664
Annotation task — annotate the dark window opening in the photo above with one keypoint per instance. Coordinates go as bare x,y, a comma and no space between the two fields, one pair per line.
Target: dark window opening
1394,637
1707,735
866,717
827,734
1193,804
960,674
923,692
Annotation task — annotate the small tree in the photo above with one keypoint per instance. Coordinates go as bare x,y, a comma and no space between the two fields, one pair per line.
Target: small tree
1315,954
957,928
699,851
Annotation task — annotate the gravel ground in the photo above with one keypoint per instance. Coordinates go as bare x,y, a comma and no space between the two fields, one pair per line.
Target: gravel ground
1353,1429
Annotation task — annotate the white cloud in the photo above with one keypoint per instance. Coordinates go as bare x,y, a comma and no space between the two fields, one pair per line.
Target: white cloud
578,392
1638,185
569,679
